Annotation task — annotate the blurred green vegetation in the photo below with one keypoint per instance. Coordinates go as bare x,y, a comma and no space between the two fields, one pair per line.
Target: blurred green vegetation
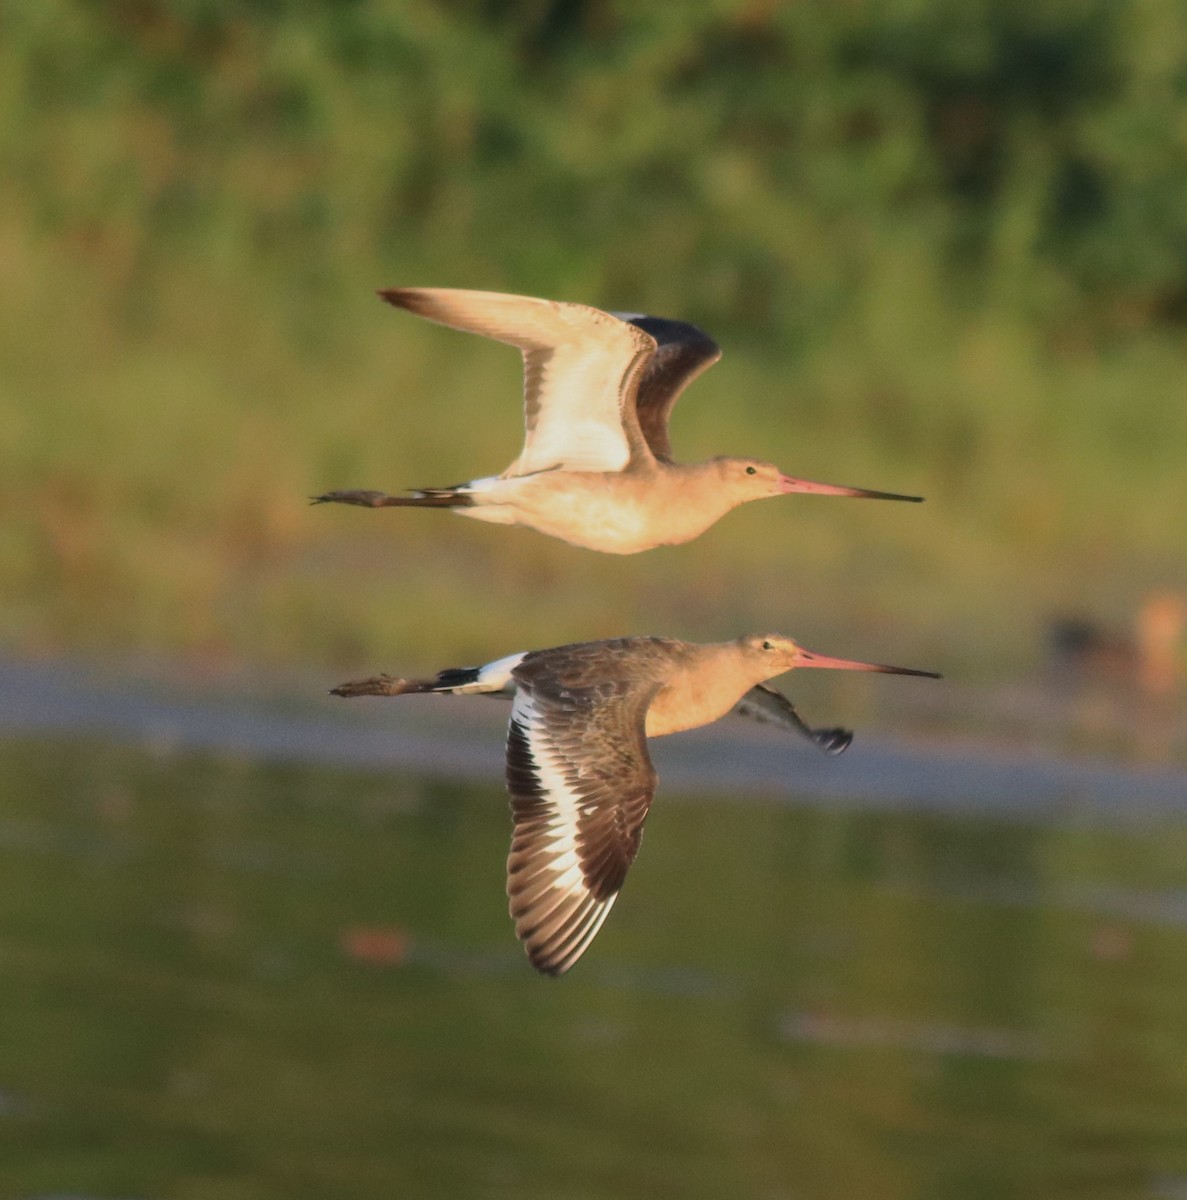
944,246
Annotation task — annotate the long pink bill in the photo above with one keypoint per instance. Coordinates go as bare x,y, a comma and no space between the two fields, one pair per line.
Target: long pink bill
805,658
835,489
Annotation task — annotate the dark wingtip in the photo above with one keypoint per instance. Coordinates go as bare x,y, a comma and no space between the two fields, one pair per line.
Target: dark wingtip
833,741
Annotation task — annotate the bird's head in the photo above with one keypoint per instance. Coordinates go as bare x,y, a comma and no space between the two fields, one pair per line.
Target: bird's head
752,479
746,479
774,653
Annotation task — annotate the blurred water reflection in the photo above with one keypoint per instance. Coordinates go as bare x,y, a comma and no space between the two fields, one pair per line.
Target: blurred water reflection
228,979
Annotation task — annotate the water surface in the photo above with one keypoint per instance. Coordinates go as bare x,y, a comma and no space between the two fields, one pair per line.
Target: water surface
231,978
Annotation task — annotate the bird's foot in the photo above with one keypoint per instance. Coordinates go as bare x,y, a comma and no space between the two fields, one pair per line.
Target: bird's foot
377,685
353,496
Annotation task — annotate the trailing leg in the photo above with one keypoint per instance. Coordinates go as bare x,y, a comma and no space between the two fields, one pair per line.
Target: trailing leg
492,679
428,498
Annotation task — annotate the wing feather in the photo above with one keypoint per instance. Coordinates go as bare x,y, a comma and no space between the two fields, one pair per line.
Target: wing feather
683,352
768,705
581,371
580,781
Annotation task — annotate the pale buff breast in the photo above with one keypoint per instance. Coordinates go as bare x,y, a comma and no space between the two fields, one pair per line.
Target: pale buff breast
620,513
701,690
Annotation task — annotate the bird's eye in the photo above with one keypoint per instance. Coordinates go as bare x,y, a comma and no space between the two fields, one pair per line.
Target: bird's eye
767,646
751,470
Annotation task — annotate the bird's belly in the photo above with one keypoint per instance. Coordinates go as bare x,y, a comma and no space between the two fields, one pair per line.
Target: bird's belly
678,707
604,525
612,514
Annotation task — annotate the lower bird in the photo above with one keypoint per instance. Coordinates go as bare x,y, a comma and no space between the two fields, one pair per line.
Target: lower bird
596,468
578,771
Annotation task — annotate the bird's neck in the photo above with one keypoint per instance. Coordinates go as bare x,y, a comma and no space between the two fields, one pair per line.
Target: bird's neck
704,686
695,490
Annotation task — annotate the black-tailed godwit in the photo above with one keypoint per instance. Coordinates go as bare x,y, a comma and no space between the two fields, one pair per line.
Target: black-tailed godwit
578,770
596,467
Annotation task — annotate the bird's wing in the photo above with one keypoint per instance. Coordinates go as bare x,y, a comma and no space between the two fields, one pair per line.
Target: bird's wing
581,368
770,706
683,352
581,781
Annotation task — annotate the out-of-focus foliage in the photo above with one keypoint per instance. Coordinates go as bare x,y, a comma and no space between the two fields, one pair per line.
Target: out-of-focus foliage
749,155
945,246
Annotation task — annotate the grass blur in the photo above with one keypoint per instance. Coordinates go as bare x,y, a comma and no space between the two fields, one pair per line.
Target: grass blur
944,247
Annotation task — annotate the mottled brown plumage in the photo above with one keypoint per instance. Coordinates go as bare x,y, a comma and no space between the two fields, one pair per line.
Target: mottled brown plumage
579,773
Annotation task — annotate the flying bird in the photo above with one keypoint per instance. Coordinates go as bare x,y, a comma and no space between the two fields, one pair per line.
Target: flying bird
578,771
596,468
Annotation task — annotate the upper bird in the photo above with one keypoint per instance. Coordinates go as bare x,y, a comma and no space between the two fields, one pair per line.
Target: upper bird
578,770
596,468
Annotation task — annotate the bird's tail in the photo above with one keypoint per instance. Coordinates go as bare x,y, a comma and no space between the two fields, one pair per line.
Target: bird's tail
453,678
444,497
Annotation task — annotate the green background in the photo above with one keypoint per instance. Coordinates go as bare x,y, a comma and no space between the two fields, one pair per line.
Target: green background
943,245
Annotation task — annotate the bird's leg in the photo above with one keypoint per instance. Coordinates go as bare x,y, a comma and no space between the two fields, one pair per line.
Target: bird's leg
355,496
493,679
380,685
420,498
